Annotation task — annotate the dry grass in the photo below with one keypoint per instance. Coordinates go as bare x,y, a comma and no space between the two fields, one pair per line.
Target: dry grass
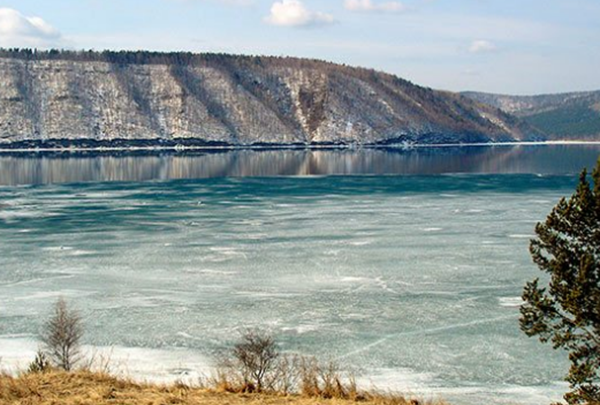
85,387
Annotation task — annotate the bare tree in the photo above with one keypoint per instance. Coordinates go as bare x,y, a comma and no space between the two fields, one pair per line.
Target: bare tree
257,356
62,335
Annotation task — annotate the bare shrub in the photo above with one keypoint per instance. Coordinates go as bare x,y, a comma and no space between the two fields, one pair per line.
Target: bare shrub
286,376
325,380
224,379
309,377
256,356
62,335
331,381
98,361
256,365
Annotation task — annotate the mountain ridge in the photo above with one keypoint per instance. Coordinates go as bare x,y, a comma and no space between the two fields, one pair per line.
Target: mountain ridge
68,98
573,115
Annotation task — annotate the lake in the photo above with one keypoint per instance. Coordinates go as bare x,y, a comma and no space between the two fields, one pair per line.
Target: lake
404,265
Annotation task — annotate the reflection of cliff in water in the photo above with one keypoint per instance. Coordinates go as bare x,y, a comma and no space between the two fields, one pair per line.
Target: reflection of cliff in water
72,167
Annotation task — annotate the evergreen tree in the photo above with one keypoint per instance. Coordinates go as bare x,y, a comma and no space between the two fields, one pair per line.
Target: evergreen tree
566,311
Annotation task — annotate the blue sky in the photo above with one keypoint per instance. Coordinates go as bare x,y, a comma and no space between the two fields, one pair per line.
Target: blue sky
503,46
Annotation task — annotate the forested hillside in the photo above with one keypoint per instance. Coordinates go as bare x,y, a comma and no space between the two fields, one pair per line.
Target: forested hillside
560,116
85,98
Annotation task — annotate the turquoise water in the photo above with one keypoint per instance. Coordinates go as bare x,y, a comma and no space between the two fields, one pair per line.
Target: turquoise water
414,280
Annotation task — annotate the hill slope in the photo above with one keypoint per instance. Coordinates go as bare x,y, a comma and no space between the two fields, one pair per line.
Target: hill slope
88,388
560,116
119,98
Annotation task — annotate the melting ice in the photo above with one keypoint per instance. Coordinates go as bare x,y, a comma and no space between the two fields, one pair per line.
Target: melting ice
414,281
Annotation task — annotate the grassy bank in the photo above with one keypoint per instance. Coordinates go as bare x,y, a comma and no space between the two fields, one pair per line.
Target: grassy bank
86,387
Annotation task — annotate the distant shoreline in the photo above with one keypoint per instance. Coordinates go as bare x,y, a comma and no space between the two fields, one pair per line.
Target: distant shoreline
268,147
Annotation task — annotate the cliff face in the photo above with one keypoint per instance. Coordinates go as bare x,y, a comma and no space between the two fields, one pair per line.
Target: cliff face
233,100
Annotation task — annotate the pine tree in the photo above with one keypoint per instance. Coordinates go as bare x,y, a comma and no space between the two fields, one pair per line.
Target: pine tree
566,311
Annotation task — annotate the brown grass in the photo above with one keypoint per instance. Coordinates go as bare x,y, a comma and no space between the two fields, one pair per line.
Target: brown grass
86,387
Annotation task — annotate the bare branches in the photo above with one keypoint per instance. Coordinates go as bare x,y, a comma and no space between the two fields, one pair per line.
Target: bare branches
255,356
62,335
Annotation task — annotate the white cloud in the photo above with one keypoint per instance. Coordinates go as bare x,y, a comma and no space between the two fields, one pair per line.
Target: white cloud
17,30
480,46
369,6
292,13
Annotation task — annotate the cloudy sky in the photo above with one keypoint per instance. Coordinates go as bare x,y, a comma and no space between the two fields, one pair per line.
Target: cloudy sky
503,46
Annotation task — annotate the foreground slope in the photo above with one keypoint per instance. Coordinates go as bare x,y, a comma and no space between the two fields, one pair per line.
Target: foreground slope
560,116
110,98
84,387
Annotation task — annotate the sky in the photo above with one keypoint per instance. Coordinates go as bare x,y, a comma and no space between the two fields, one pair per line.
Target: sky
500,46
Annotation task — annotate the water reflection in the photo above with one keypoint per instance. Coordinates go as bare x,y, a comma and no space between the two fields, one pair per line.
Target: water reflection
22,169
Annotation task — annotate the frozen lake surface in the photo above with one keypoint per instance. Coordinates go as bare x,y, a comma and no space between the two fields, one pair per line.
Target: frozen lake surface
414,280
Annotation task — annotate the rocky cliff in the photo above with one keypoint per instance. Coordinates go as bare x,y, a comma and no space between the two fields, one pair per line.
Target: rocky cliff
125,98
